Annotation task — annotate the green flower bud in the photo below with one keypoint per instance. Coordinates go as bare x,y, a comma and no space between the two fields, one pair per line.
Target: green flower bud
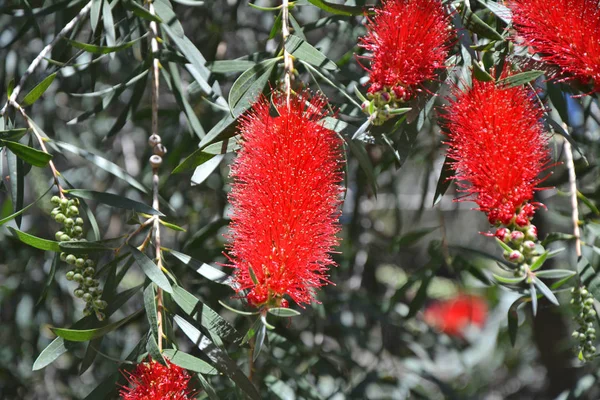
58,235
54,213
55,200
78,230
89,263
71,259
65,238
70,275
78,278
64,203
78,293
89,271
87,297
73,210
63,256
69,222
101,304
90,281
87,312
100,316
80,262
79,221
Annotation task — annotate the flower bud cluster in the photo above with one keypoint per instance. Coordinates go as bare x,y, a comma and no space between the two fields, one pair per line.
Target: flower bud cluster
159,150
583,302
522,240
66,213
384,102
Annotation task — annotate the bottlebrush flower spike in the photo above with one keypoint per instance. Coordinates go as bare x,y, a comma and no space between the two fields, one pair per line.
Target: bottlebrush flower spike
408,42
153,381
285,198
453,316
498,149
565,33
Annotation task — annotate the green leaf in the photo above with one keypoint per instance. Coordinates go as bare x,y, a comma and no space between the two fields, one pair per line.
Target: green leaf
16,173
34,241
556,236
84,247
10,87
171,226
260,340
105,164
22,210
504,246
151,310
533,294
28,154
338,9
283,312
476,25
114,200
537,264
230,66
246,89
444,181
95,13
513,318
74,335
207,271
189,362
203,171
555,273
221,360
545,290
109,26
38,90
306,52
140,11
151,270
410,238
499,10
195,159
54,350
480,73
519,79
49,279
509,281
13,134
207,317
252,331
224,129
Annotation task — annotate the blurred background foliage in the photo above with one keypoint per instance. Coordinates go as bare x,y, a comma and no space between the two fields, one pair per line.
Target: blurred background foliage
405,243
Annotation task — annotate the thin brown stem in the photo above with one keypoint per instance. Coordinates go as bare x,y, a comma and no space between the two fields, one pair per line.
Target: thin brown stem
288,59
573,195
156,161
38,59
42,144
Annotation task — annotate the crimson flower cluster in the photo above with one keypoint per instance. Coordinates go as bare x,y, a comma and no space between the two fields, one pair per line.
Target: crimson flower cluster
565,33
408,42
498,149
453,316
153,381
285,198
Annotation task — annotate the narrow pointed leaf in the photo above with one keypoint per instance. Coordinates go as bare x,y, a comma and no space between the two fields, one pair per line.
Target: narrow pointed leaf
151,270
38,90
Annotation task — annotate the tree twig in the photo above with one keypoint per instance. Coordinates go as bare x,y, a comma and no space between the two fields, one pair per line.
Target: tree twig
288,59
38,59
573,195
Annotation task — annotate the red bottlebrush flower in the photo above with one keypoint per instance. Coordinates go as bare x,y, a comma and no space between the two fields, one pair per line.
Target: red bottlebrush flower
565,33
454,315
498,147
153,381
285,198
408,42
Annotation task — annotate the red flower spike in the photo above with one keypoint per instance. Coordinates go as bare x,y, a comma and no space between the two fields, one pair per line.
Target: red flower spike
498,149
453,316
565,33
285,198
153,381
408,42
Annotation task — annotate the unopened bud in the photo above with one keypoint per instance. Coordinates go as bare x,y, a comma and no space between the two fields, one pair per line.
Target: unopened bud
160,150
517,237
516,256
153,140
155,161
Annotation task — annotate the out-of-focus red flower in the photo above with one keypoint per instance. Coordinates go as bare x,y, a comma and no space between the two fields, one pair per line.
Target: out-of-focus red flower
285,198
498,149
408,42
565,33
453,316
153,381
